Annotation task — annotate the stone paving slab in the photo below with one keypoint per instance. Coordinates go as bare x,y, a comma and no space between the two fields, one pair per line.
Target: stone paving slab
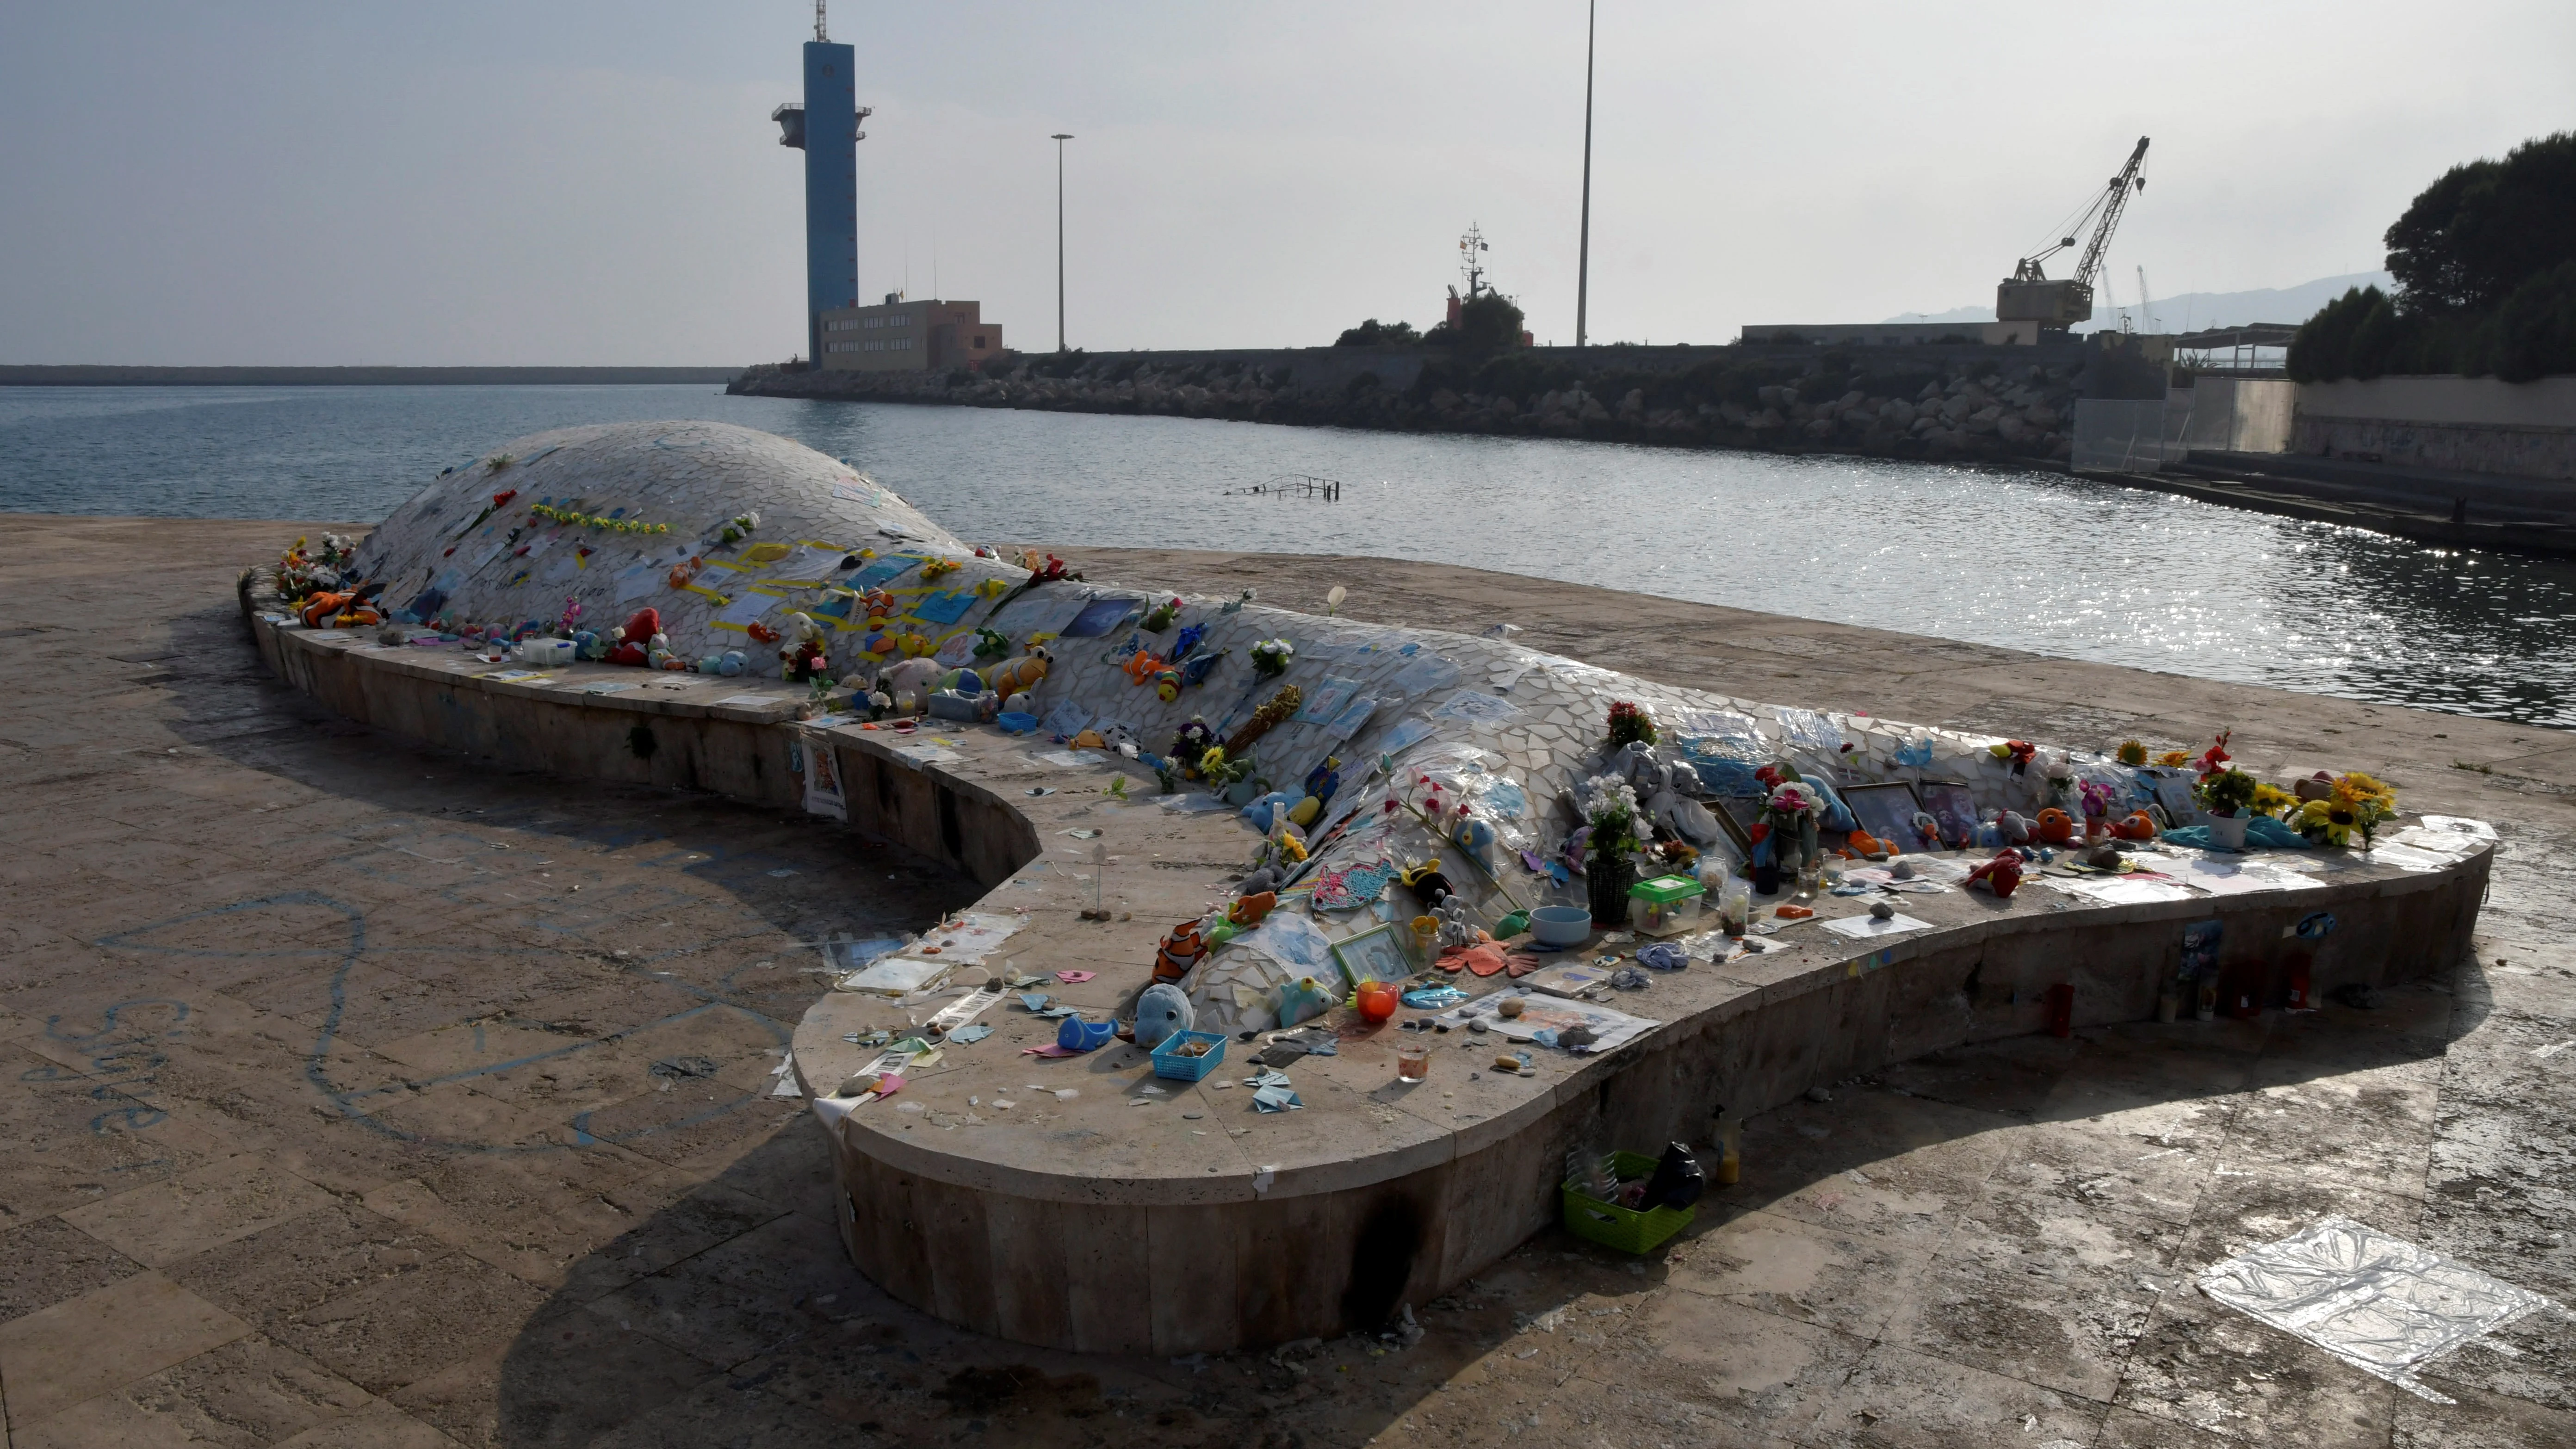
361,1324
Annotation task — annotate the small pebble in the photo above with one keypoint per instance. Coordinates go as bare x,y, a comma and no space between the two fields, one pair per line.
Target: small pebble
1819,1094
1881,911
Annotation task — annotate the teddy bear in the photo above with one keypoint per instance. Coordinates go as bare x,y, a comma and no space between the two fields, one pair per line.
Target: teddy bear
805,654
633,641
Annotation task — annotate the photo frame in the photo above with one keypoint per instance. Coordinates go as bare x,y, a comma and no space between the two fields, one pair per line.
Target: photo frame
1375,954
1950,802
1887,811
1736,815
1100,616
2173,792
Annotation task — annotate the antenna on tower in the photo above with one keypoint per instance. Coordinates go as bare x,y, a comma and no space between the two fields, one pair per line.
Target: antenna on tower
1471,262
818,22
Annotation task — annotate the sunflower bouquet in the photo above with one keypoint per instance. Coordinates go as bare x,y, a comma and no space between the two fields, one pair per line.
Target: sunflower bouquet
2357,803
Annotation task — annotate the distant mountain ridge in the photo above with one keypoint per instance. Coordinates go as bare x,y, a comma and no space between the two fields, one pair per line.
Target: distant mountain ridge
2195,311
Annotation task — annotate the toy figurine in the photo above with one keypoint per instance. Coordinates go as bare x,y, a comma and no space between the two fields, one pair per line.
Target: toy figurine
2001,875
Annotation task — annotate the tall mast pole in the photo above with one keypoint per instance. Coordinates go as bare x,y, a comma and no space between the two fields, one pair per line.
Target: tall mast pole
1583,263
1059,138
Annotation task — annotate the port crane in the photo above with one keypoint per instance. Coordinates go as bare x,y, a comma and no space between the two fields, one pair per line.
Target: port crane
2031,295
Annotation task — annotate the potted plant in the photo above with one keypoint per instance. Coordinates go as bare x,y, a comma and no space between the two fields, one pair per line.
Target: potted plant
1610,813
2227,798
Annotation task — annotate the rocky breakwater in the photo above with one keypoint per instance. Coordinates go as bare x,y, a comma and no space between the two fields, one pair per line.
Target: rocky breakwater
1964,403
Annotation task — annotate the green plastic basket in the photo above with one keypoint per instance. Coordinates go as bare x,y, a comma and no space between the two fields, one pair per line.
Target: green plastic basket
1626,1229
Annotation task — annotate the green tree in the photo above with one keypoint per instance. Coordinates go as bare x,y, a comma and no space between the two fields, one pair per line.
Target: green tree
2533,334
2474,235
1486,321
1373,333
2322,350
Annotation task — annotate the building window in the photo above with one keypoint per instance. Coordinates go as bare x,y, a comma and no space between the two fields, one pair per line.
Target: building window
979,341
840,347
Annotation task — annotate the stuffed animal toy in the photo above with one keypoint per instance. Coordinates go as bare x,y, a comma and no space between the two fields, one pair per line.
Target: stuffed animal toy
2056,827
1019,675
2016,751
1321,782
1162,1011
2139,826
909,683
1179,952
1927,831
2015,828
1865,845
2002,875
1196,669
1428,885
805,655
1250,910
632,641
338,610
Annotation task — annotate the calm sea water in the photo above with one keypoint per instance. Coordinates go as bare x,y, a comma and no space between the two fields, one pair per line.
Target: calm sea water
2027,560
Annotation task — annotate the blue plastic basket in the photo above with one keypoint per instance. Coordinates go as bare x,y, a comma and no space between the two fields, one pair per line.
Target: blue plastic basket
1170,1064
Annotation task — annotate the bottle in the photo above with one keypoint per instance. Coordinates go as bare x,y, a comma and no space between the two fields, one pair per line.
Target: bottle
1727,1132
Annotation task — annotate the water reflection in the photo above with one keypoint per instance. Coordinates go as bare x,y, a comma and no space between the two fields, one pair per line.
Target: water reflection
2035,561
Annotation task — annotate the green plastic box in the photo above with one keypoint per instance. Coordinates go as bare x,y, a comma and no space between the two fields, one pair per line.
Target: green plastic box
1626,1229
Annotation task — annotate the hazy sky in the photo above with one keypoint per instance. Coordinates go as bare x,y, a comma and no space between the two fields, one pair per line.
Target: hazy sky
534,182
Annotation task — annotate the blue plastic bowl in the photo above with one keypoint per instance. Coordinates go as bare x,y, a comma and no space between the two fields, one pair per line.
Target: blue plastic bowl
1560,925
1017,722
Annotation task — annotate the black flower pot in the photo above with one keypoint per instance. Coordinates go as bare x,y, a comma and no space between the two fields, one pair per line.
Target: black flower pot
1608,878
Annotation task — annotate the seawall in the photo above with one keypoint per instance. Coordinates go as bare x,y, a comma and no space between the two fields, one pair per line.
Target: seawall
90,375
1946,401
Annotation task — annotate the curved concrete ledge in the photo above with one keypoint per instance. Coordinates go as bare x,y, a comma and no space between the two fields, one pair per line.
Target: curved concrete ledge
1180,1220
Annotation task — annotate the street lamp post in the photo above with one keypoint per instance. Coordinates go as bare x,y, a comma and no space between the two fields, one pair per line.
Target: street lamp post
1059,138
1583,263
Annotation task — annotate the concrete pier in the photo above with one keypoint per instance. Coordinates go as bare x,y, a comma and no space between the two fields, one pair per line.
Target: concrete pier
1993,1238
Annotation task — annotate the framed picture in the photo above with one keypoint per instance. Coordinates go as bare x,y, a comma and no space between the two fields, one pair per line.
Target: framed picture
1373,955
1736,814
1100,616
1887,811
1952,805
2173,792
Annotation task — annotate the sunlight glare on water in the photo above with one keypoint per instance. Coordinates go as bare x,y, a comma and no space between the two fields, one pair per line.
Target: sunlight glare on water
2030,560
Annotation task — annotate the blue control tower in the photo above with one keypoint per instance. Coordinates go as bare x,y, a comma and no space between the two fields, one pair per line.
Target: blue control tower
826,128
